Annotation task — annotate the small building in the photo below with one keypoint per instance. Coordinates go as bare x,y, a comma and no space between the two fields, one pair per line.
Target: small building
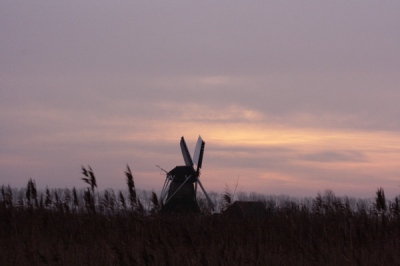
246,209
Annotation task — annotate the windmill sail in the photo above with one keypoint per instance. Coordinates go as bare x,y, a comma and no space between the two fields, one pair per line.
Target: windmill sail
185,153
198,152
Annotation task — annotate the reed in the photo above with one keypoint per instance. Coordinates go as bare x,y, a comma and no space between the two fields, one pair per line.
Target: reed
325,230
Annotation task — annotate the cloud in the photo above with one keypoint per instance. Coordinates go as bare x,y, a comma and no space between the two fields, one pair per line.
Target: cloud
294,94
334,156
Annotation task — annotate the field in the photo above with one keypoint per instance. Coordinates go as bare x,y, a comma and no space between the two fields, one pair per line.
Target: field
86,227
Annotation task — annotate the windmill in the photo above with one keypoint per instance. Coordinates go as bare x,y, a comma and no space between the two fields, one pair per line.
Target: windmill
180,187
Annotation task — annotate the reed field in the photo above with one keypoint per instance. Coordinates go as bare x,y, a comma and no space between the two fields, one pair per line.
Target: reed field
88,227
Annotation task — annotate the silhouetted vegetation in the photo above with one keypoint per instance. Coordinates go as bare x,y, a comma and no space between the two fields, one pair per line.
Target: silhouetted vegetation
82,227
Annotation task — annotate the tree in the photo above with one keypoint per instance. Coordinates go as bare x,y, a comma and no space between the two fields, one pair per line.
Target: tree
380,200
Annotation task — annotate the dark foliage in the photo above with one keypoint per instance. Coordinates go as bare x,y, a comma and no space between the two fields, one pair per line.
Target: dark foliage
90,177
380,200
291,236
69,227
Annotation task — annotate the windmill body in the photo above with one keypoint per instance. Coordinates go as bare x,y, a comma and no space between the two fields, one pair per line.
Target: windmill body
180,187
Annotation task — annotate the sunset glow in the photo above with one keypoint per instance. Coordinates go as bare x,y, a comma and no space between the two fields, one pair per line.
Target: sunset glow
290,98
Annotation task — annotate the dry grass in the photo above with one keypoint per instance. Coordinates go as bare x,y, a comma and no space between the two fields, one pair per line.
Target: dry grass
70,227
291,236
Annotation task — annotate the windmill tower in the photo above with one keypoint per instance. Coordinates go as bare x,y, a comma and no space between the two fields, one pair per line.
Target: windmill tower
180,187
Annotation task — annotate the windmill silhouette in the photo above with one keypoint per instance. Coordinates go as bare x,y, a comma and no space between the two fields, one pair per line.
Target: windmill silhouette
179,192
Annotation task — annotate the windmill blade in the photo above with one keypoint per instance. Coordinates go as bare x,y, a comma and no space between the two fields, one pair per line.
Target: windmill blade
165,187
185,153
198,153
164,192
205,193
195,191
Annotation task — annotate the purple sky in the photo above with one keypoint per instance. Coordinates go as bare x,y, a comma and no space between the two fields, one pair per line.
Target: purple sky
291,97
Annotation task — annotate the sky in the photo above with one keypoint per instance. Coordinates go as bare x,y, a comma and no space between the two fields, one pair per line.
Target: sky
291,97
